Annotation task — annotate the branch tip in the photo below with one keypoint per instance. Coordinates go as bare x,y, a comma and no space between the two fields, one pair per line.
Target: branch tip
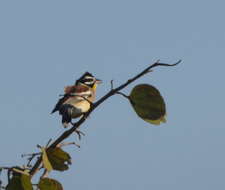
166,64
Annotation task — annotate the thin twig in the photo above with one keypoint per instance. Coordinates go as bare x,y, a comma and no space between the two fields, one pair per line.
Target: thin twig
66,144
124,95
49,141
30,157
45,174
96,104
111,82
26,155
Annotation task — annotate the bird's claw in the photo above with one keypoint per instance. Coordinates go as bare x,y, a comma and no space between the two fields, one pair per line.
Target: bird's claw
79,133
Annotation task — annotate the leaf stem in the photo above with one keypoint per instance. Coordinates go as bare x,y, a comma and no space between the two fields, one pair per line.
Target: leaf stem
124,95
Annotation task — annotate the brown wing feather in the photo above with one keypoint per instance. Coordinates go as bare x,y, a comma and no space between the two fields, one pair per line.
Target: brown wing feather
68,89
75,88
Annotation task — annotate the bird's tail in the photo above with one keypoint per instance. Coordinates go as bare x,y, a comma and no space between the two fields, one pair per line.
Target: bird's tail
66,116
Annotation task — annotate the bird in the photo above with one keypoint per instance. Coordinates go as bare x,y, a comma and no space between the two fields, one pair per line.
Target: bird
77,98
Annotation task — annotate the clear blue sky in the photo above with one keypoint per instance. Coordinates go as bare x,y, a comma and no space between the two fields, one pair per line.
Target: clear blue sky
45,45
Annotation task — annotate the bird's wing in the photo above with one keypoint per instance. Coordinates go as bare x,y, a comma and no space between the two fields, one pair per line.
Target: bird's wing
60,102
69,89
75,91
78,91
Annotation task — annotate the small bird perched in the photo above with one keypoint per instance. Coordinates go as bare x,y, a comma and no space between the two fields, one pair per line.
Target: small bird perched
77,98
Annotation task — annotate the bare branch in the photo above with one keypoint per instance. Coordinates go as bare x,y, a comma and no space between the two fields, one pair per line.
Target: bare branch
112,92
30,157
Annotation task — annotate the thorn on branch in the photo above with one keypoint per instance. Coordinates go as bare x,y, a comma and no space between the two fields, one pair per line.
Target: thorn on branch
111,82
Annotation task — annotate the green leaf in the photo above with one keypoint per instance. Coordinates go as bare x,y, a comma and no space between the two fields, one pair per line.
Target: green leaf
49,184
59,159
148,103
46,163
14,183
20,182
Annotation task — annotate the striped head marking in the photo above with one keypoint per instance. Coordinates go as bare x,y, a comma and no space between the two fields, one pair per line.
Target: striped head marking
88,79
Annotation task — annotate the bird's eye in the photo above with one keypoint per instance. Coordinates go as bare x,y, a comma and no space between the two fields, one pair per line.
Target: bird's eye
88,80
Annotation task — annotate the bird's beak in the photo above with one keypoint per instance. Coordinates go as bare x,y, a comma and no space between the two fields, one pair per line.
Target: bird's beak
98,81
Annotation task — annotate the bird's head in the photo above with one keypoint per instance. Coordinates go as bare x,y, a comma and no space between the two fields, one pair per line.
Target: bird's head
89,80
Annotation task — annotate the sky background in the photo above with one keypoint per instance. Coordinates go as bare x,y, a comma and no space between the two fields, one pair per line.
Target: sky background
46,45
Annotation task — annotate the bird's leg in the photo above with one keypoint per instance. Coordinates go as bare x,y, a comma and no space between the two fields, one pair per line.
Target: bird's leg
79,133
85,115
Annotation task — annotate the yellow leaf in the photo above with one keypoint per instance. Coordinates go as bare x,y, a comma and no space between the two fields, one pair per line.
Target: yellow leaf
46,163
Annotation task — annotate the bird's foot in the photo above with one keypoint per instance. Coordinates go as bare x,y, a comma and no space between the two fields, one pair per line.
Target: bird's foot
85,115
79,133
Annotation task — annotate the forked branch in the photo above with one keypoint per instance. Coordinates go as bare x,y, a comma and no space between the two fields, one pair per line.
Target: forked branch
112,92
